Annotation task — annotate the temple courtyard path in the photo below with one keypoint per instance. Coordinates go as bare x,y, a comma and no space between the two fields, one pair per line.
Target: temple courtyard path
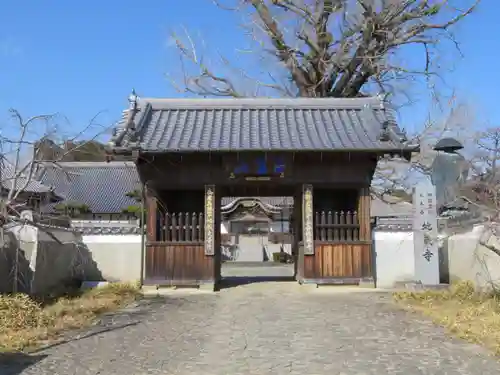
260,328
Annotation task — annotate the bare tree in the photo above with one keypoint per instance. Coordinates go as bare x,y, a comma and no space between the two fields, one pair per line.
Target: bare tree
479,193
483,188
397,176
488,154
20,157
336,48
327,48
19,188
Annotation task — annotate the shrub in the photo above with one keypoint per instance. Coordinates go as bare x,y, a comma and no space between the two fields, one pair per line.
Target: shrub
463,290
19,311
25,323
462,309
282,257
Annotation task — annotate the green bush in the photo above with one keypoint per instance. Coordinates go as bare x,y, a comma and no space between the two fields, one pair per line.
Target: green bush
282,257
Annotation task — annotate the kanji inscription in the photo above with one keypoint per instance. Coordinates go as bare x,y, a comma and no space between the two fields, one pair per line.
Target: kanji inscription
425,234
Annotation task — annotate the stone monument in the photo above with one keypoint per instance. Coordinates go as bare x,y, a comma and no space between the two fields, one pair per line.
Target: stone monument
425,234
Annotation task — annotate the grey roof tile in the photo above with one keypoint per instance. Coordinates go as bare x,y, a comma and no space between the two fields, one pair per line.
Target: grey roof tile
390,208
8,175
273,201
259,124
379,207
100,185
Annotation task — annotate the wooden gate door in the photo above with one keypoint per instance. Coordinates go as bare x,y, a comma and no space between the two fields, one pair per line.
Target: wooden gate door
337,245
180,246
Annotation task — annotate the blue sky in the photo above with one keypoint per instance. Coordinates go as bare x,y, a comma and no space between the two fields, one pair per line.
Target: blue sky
80,58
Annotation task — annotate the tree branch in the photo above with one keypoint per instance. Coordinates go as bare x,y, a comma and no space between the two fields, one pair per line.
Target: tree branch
336,48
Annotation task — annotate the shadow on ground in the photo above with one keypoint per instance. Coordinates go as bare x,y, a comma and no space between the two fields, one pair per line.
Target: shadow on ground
16,363
236,281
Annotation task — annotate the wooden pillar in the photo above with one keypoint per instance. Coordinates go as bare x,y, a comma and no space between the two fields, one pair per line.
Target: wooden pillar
368,258
364,204
307,219
217,236
209,220
297,236
151,219
212,233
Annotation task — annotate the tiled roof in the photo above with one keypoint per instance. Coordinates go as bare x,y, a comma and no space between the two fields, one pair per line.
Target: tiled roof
8,175
273,201
100,185
390,208
300,124
379,208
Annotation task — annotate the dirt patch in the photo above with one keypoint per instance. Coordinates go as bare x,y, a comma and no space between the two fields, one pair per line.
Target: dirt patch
26,323
465,313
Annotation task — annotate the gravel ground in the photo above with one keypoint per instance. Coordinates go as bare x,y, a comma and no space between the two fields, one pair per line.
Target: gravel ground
260,328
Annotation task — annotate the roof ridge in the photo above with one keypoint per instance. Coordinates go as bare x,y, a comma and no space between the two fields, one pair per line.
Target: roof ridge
162,125
255,103
89,164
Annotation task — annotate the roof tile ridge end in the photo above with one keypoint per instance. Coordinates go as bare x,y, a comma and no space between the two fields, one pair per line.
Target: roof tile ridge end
142,120
123,132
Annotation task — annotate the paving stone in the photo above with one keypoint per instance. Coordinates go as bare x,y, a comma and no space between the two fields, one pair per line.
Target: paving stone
261,328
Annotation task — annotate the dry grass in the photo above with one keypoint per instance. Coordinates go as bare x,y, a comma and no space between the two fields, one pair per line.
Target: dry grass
465,313
25,323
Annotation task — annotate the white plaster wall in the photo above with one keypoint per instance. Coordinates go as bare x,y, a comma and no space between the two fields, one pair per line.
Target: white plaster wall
468,260
393,257
18,244
45,262
462,257
118,257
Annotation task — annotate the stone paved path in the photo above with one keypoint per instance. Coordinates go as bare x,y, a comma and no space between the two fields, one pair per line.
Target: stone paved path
266,328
